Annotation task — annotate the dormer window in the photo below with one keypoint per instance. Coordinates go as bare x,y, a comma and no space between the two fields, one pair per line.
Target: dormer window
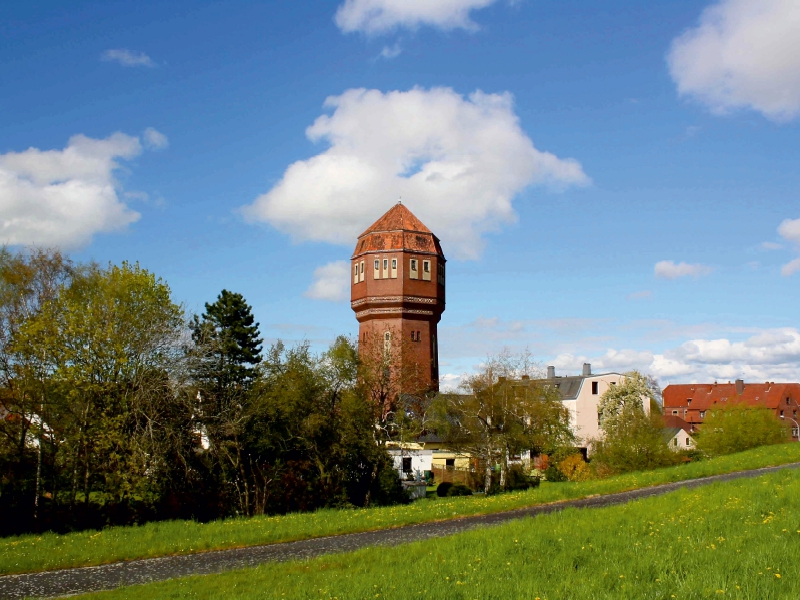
413,269
688,402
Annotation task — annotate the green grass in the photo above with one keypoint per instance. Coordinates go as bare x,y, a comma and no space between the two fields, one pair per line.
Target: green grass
737,539
51,551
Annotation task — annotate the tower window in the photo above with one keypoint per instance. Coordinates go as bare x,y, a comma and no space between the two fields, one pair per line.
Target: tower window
355,273
426,270
385,268
394,268
361,271
376,269
414,269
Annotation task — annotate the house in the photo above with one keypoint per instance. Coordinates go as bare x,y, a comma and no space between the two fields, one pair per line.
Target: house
410,458
581,395
692,401
677,434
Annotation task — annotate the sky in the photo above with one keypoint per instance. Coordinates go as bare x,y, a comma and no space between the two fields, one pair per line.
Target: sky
613,182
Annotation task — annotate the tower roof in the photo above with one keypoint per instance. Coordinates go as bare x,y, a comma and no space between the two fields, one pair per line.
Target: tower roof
398,229
397,218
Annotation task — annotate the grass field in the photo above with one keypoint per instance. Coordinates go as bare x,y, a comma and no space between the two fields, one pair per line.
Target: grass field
50,551
737,539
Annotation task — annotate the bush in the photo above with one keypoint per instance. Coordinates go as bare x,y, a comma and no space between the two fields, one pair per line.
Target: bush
575,468
459,489
517,478
443,488
737,426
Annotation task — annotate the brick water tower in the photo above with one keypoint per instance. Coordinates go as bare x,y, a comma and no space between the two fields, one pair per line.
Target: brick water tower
397,290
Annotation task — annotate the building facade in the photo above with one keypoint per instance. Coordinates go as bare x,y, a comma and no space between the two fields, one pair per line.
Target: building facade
397,287
692,401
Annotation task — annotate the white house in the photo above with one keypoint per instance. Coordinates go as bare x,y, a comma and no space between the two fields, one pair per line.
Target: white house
410,459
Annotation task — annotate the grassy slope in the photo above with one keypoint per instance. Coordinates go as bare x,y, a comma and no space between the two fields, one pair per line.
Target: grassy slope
50,551
737,539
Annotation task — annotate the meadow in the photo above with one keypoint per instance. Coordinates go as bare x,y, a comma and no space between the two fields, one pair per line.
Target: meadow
29,553
737,539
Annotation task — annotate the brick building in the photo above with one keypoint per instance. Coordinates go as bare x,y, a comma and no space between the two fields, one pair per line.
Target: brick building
691,401
398,290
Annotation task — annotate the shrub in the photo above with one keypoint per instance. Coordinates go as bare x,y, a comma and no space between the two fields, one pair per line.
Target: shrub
459,489
443,488
575,468
737,426
517,478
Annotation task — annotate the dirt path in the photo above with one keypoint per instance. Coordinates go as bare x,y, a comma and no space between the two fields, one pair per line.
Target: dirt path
89,579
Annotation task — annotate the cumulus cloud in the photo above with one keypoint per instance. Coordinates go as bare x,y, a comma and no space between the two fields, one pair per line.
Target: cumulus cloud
742,54
379,16
331,282
457,162
390,52
63,197
127,58
768,355
668,269
154,140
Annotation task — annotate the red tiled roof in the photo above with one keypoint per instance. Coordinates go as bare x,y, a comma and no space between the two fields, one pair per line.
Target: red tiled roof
673,422
704,396
397,218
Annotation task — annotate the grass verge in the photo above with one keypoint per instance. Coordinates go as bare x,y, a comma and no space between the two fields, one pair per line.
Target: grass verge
29,553
736,539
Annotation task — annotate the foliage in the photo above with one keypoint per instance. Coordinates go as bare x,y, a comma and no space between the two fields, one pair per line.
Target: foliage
518,478
737,426
443,488
575,468
459,489
501,415
54,551
632,439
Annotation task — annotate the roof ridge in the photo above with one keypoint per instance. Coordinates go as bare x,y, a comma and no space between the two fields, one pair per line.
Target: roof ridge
397,218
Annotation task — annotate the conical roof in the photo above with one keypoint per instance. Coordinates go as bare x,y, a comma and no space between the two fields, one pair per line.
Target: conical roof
398,229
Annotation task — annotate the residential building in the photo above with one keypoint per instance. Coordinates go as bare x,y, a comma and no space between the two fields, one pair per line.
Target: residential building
677,434
692,401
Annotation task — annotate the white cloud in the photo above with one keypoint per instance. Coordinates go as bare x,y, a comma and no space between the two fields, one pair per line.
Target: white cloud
771,246
331,282
457,162
668,269
390,52
789,229
64,197
127,58
380,16
154,140
742,54
790,268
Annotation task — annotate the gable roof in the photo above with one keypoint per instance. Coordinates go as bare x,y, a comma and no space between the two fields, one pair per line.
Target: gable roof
704,396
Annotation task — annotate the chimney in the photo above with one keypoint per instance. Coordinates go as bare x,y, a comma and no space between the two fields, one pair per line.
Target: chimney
587,370
740,386
551,372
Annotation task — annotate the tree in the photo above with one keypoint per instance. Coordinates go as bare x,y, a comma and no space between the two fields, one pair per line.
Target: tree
500,415
632,439
737,426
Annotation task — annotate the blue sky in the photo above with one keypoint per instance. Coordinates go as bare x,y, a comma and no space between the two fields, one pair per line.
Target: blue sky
612,181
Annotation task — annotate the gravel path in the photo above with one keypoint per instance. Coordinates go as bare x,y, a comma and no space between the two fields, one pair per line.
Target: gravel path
89,579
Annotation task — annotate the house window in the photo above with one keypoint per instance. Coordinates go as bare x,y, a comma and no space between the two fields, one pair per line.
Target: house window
675,412
702,414
449,462
426,270
688,441
394,268
688,402
376,269
406,464
674,441
361,271
781,414
595,387
413,270
787,402
418,337
385,268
